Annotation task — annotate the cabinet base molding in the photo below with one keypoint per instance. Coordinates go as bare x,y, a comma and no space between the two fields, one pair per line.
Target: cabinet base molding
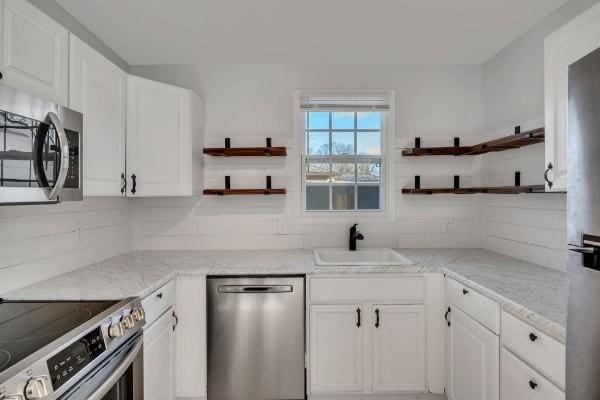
395,396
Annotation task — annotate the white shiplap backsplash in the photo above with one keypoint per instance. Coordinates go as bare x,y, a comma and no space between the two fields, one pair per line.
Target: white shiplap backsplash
38,242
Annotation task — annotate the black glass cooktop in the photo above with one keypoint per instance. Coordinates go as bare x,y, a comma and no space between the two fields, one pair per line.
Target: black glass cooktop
27,326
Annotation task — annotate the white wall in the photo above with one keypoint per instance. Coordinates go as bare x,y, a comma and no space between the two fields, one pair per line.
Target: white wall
532,227
251,102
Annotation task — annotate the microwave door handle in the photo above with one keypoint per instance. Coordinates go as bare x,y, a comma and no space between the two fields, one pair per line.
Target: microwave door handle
114,377
63,143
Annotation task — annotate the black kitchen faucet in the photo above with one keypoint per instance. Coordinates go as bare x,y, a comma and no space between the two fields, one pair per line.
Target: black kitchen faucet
354,236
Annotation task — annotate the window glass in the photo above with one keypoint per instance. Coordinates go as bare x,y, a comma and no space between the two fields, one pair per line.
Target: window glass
343,160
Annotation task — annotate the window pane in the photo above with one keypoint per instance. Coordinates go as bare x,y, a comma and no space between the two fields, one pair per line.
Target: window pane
369,172
342,143
317,197
318,120
368,120
343,197
317,172
342,120
343,173
368,197
369,143
317,143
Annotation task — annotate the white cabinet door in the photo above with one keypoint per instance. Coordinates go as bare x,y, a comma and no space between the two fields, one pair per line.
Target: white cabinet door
398,348
158,358
190,337
336,348
159,139
563,47
97,88
472,358
35,51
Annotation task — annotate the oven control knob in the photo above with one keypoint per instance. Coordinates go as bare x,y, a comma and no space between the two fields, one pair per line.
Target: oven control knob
116,329
36,388
128,321
138,314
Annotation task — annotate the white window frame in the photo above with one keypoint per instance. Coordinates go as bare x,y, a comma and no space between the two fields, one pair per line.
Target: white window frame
387,185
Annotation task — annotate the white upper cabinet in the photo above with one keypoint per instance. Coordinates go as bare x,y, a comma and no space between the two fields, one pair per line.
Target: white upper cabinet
98,88
164,139
34,52
568,44
398,348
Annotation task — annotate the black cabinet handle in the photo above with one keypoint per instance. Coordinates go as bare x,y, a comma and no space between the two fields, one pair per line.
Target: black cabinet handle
124,180
134,184
550,183
159,295
358,317
1,76
176,320
377,318
446,315
533,337
532,384
465,291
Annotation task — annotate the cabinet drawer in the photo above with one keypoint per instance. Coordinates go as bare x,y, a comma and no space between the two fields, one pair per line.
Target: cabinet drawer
483,309
520,382
537,349
368,289
158,302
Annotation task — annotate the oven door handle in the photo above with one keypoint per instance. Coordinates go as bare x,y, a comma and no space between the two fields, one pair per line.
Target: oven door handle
117,373
63,143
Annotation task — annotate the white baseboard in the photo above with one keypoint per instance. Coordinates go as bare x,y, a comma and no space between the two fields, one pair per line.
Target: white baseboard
395,396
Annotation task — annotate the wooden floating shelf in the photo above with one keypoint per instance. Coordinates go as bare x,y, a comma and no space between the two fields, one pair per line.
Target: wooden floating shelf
226,192
474,190
246,151
506,143
228,151
229,191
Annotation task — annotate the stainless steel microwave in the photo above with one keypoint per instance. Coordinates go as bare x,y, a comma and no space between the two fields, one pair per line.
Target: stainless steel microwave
41,154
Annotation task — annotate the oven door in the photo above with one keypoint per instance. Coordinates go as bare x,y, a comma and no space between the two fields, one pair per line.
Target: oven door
119,377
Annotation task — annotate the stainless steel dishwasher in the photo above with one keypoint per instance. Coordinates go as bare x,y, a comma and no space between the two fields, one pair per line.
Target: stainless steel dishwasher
256,338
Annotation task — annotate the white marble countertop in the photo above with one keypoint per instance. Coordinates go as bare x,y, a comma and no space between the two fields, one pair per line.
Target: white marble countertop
531,292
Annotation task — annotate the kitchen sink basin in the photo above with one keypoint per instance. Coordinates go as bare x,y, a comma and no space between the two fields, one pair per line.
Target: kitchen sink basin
372,256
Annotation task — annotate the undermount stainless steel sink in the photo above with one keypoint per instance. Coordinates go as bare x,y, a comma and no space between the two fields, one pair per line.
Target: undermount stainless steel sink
369,256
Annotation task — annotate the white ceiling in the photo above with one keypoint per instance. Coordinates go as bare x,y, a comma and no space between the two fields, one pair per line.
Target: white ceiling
309,31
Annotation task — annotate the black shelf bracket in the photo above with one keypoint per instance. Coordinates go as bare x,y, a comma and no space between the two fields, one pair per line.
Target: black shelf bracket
456,182
517,178
417,182
417,143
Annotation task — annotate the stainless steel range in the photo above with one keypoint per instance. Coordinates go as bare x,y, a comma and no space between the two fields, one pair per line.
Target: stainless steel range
71,350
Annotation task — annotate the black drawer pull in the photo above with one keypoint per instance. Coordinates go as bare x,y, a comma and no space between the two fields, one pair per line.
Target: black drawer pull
377,318
159,295
465,291
358,317
532,384
533,337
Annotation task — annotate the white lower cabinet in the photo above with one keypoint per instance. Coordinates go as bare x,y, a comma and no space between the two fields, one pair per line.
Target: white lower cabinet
472,359
158,358
362,345
336,348
520,382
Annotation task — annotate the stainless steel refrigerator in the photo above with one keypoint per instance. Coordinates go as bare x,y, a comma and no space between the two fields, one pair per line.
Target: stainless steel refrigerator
583,230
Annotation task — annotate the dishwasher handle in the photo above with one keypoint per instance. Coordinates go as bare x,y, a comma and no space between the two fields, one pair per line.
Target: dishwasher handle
255,289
